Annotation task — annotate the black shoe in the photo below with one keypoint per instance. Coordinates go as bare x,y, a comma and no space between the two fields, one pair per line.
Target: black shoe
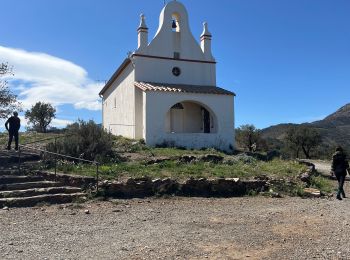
8,148
338,197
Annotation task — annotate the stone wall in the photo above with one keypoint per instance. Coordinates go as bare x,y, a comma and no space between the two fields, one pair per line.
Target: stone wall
69,180
143,187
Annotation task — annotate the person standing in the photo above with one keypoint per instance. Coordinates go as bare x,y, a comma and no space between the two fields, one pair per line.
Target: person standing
339,167
13,124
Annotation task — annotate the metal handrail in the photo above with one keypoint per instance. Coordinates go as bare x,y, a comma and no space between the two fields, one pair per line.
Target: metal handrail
60,155
47,139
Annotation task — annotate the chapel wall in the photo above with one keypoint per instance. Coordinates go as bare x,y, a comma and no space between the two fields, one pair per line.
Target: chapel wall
119,105
158,104
160,71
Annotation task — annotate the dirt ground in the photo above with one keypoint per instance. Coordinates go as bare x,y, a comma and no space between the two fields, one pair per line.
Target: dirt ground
180,228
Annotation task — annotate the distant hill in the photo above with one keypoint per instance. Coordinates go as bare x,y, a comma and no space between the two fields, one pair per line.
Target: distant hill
334,129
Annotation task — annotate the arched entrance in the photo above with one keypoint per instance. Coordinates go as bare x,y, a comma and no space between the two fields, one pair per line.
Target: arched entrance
190,117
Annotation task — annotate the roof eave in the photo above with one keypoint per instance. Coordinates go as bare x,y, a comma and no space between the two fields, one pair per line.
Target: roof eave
115,75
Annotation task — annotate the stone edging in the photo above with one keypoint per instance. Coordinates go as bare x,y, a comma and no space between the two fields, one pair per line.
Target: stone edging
144,187
69,180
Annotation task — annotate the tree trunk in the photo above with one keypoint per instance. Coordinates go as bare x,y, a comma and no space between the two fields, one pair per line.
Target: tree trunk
307,154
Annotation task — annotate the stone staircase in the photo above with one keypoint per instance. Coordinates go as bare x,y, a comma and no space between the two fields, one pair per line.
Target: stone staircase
21,189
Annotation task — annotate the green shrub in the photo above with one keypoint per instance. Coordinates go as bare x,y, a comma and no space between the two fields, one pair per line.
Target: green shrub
85,140
321,183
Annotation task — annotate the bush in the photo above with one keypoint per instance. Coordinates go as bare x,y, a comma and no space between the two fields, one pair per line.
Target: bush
85,140
126,145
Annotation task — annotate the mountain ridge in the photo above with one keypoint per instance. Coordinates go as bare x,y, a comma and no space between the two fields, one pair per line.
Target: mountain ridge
334,128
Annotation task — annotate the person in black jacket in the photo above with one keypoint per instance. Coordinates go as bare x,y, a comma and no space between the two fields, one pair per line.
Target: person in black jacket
13,124
339,167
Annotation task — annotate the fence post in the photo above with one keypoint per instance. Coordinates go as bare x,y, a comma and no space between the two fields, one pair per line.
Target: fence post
55,158
19,159
97,177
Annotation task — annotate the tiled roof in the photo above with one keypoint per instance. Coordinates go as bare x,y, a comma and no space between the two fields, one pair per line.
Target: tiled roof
146,86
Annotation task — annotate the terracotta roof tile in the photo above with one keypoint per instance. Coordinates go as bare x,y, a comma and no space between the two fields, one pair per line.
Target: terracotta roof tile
148,86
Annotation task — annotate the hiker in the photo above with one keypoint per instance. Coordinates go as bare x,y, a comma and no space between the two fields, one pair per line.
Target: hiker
339,167
13,125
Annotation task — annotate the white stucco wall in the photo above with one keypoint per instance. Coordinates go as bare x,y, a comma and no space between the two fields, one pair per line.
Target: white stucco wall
201,70
191,118
157,105
160,71
138,113
166,41
119,106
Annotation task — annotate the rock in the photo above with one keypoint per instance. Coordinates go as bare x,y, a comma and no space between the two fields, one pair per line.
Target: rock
187,159
305,177
311,192
87,211
262,177
227,187
157,160
213,158
199,187
5,208
275,195
165,186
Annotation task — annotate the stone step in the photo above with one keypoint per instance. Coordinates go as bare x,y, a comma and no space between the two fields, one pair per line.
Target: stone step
34,200
29,185
11,171
39,191
15,159
8,179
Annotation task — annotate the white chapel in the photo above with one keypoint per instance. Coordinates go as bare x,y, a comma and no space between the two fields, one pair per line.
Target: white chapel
165,91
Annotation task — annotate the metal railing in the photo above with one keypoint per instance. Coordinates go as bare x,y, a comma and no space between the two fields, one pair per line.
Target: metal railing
56,155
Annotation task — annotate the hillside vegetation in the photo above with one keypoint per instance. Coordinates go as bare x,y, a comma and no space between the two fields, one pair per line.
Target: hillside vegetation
334,130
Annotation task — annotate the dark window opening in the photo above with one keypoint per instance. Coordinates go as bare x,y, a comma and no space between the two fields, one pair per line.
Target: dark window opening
206,121
176,55
177,106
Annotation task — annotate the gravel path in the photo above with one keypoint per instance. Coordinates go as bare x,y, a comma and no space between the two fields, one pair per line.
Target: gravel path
180,228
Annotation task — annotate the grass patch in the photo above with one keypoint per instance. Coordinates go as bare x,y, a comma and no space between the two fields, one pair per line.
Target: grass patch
321,183
180,171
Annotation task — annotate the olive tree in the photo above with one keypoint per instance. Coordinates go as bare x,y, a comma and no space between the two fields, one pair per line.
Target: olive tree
247,136
8,100
302,138
40,116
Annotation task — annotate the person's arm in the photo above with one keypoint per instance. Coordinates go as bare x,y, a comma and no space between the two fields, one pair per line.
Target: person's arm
6,125
333,165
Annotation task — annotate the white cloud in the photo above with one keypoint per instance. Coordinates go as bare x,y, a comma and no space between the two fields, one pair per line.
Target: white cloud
56,122
60,123
45,78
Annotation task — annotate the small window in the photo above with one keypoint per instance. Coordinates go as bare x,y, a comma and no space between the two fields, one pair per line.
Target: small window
177,106
115,102
176,55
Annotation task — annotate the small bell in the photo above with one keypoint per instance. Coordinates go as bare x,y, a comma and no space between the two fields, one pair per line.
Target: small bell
174,26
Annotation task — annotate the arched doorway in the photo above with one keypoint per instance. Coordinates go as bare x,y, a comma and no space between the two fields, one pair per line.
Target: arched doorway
190,117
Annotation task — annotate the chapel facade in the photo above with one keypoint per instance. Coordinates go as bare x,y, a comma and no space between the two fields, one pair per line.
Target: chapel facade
165,92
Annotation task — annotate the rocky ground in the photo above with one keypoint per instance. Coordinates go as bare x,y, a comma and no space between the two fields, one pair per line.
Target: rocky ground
180,228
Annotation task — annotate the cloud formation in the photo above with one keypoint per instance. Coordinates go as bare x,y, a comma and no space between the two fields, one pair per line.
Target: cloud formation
59,123
42,77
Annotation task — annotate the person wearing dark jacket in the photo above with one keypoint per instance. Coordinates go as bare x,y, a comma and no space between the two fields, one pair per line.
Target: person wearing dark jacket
339,167
13,124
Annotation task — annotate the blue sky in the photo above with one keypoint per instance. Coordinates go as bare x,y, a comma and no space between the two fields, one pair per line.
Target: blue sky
287,60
